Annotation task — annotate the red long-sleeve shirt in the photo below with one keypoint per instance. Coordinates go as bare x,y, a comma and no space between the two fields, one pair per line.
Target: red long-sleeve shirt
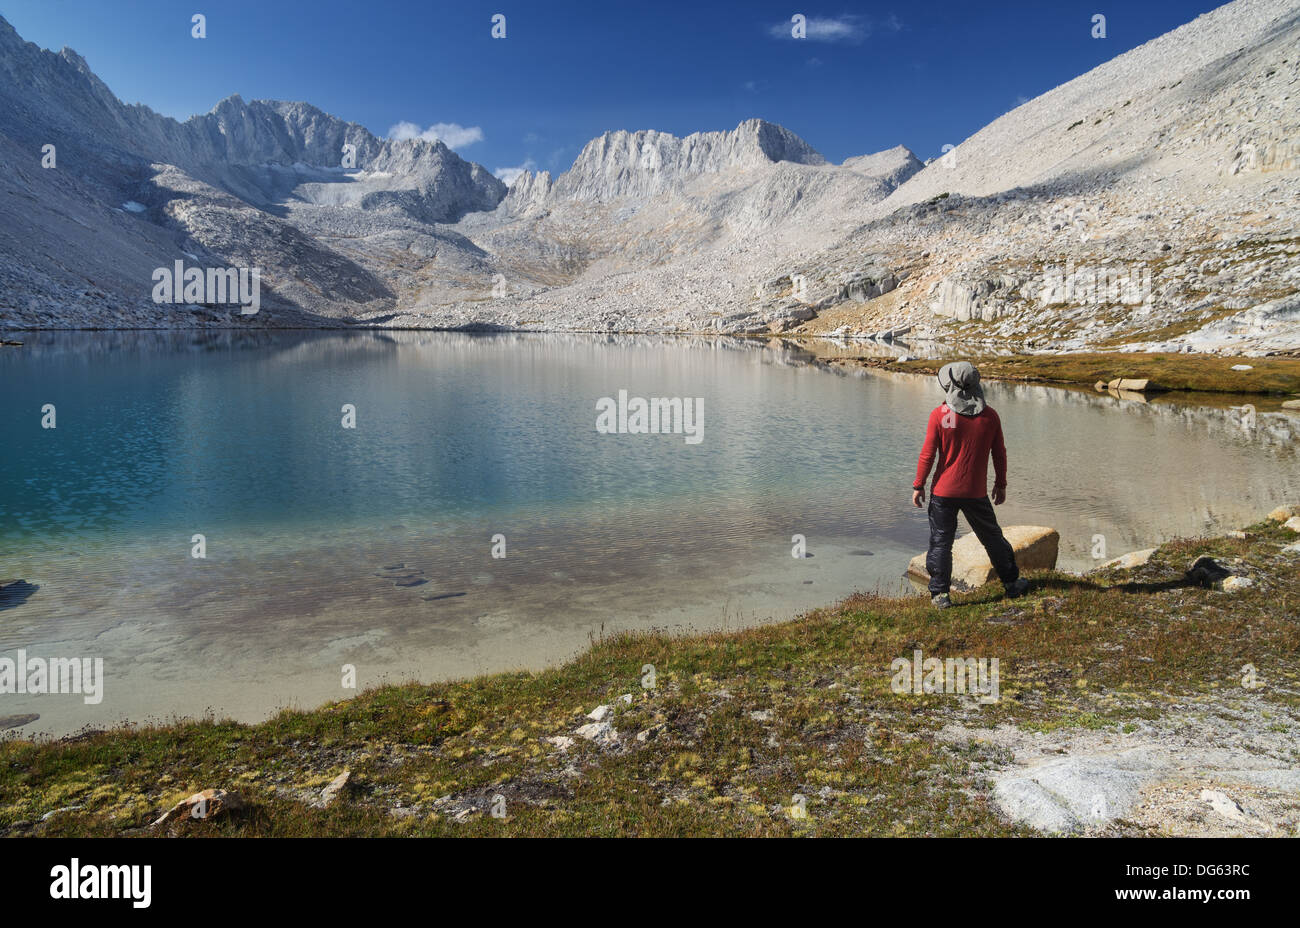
961,449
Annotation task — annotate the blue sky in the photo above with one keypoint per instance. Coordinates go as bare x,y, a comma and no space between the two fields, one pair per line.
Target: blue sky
868,76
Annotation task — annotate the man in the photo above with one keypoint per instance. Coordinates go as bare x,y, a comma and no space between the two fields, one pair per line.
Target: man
958,438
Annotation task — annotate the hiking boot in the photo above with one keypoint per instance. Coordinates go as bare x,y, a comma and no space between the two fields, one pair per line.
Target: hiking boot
940,601
1016,588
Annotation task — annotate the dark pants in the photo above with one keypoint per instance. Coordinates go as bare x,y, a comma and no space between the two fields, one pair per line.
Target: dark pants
943,530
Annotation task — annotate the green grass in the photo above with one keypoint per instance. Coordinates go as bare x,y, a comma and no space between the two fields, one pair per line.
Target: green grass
1077,652
1208,374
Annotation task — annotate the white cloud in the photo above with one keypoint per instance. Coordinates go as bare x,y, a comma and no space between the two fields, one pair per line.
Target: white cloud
451,134
846,28
509,175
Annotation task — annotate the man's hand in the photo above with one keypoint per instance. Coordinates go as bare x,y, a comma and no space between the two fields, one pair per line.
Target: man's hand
999,495
918,497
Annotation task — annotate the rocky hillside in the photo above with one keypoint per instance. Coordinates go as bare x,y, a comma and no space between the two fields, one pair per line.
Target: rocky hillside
261,183
650,232
1150,204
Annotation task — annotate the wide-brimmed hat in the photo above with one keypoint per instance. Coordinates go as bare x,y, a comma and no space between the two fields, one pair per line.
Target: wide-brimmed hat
961,382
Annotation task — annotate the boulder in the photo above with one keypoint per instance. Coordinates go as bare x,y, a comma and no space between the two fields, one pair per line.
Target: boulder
203,806
966,298
335,787
599,732
1067,794
1130,385
1128,561
1035,546
1224,805
866,285
788,315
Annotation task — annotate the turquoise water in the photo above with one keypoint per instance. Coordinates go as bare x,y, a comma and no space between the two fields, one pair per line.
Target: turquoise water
156,439
460,438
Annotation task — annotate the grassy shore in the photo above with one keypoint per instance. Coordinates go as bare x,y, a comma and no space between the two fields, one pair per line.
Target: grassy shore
735,727
1197,373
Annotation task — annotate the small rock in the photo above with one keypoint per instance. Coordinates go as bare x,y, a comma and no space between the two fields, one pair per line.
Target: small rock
761,715
563,742
598,713
599,732
652,732
1291,404
626,698
335,786
53,812
1242,367
1128,561
1235,583
1292,523
1222,804
17,721
203,806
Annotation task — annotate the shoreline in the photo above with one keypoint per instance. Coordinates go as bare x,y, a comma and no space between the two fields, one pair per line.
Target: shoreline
1274,376
737,723
1270,376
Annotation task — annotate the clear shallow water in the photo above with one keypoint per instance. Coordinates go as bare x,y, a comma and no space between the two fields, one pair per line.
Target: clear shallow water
459,438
